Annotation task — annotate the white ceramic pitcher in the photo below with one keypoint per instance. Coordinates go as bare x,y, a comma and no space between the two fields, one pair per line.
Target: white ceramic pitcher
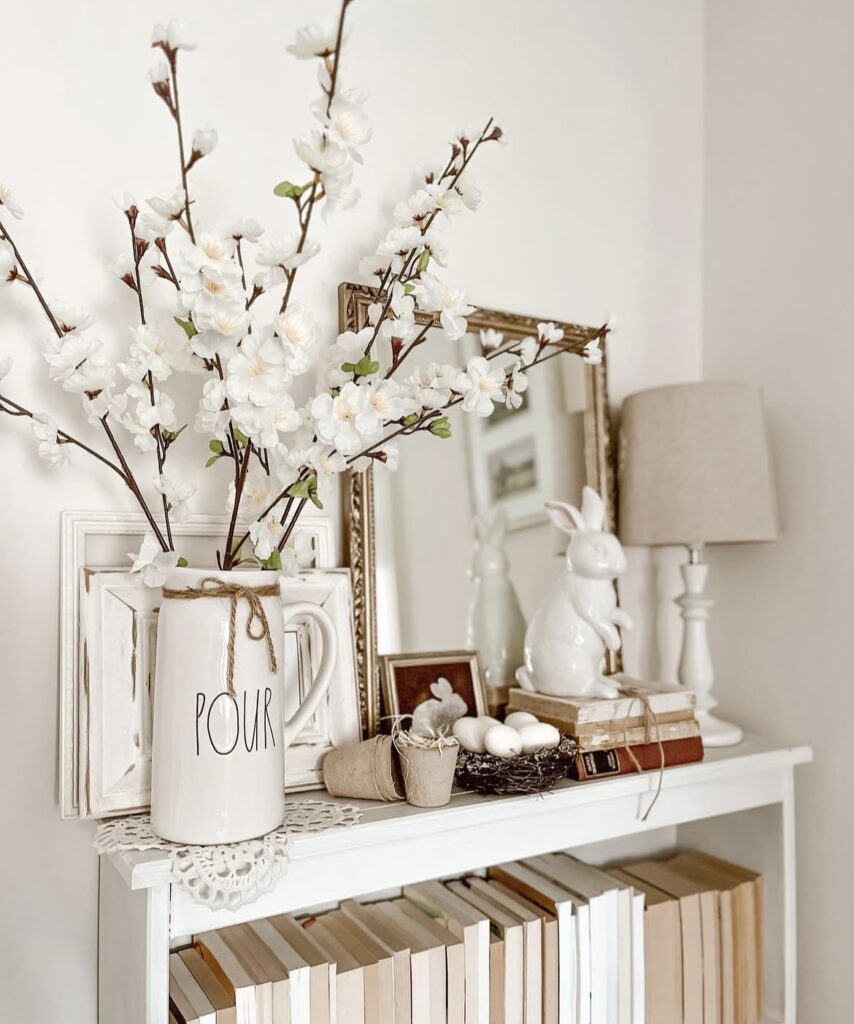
219,735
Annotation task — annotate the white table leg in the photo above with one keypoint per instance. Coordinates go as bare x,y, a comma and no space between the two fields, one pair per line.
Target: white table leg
133,951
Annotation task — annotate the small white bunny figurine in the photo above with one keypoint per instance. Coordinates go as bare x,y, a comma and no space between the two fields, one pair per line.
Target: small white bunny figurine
438,712
566,640
496,626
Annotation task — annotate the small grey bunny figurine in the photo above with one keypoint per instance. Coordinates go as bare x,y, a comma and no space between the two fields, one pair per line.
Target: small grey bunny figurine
566,641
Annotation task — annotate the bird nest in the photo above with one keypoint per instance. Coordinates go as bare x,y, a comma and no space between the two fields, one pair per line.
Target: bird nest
525,773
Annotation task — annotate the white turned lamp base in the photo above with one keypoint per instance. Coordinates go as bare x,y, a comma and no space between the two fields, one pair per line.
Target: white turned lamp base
695,665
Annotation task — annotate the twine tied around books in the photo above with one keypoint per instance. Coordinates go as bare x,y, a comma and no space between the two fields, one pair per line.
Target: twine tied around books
256,619
650,724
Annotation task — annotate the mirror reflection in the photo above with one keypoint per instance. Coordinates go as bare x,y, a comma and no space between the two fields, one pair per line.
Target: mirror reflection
464,551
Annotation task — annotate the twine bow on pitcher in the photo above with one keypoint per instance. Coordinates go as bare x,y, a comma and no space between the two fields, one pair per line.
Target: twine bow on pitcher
256,618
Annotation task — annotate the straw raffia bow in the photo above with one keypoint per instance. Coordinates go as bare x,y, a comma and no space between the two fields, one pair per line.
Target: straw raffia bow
255,620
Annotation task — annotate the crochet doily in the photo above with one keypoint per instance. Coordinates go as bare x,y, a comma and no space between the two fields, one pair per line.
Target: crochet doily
233,874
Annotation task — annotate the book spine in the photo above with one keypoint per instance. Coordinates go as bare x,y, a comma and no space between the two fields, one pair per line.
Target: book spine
594,764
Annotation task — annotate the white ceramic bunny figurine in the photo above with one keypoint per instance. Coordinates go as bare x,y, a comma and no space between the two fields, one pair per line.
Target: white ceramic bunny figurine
496,626
566,640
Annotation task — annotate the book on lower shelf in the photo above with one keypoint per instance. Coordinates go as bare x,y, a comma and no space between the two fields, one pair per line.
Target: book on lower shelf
546,940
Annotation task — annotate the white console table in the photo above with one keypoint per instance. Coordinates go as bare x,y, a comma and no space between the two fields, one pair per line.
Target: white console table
738,803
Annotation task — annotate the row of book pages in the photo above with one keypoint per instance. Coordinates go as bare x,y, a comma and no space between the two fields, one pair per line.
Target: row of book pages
548,939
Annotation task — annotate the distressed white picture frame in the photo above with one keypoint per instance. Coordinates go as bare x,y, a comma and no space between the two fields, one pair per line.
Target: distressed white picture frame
101,540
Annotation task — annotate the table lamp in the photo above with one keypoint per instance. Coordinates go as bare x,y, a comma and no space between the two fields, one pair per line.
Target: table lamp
695,470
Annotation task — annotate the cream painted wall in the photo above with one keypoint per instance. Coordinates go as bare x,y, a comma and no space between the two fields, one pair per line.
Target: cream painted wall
595,206
779,310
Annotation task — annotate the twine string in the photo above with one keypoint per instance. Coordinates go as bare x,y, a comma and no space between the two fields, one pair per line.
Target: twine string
257,626
650,724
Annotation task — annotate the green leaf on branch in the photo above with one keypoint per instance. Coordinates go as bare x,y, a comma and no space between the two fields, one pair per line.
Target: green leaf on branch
348,367
288,190
274,561
306,490
366,366
172,435
441,427
182,563
423,261
410,420
240,437
216,447
212,460
408,289
187,326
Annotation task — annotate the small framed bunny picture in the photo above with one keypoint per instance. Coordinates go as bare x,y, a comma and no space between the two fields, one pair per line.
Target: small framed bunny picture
435,689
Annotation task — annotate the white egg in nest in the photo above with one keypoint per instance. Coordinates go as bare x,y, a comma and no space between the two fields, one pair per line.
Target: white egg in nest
503,741
471,732
516,719
538,736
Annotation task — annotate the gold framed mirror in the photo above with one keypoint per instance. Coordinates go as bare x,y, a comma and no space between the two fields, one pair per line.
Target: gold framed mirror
560,440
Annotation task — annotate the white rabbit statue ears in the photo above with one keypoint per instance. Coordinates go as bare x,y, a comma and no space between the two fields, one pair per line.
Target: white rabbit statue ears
569,519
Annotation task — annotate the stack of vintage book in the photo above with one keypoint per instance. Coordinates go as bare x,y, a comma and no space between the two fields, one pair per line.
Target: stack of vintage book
548,939
648,727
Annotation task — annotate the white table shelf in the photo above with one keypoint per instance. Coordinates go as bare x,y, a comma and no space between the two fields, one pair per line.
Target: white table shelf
738,803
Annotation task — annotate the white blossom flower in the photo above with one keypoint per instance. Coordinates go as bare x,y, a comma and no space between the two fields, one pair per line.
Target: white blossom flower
374,265
156,352
71,317
445,200
398,243
491,339
415,209
347,123
282,252
592,352
298,555
63,355
153,409
314,41
212,418
90,378
530,349
204,141
325,461
298,332
151,561
348,348
335,418
265,535
250,230
516,387
482,386
340,194
45,432
382,401
176,492
172,36
159,74
212,284
432,388
256,494
469,192
322,154
255,372
549,334
10,203
122,267
169,207
435,296
5,366
264,423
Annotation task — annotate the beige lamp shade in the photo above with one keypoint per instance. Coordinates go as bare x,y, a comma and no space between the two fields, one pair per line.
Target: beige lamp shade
695,467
